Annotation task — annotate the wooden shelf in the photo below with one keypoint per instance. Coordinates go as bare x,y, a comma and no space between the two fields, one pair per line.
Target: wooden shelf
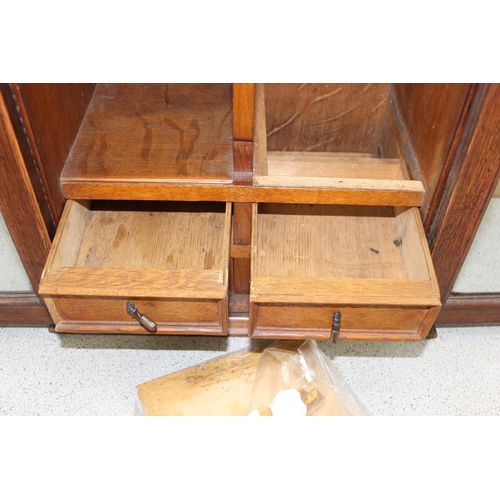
357,170
154,133
175,142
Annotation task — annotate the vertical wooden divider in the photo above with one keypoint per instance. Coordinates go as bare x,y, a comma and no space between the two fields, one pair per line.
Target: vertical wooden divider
243,118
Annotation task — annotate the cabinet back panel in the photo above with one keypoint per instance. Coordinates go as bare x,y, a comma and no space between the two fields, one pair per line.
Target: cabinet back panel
325,117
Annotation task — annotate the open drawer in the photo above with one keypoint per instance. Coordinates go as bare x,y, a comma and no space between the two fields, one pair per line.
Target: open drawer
139,267
370,264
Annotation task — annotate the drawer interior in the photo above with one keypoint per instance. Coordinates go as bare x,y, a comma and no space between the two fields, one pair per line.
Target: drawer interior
318,250
338,242
145,235
188,243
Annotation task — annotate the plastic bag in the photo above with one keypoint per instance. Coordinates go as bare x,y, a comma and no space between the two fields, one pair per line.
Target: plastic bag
297,378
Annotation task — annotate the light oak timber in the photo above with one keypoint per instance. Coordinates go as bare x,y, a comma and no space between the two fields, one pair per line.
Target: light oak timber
366,185
352,335
370,263
298,290
105,255
336,170
425,329
335,165
240,263
241,251
174,311
342,195
243,111
259,133
339,242
414,248
109,282
123,328
315,321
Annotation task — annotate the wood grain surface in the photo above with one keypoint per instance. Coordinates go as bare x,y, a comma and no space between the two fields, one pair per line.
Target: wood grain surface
23,309
472,180
155,133
19,205
340,165
431,113
325,117
240,248
130,328
52,114
328,241
388,193
304,290
470,309
178,312
242,163
243,111
317,320
371,263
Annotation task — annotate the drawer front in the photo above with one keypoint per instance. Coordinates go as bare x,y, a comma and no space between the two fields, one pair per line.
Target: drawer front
357,323
171,316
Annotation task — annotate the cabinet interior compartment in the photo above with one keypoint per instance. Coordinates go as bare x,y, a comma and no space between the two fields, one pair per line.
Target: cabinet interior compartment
149,134
108,252
332,136
349,256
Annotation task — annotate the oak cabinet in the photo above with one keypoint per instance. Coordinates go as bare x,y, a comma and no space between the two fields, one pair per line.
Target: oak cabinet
289,168
334,224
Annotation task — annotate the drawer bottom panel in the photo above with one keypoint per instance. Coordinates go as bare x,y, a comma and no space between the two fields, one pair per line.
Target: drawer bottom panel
358,322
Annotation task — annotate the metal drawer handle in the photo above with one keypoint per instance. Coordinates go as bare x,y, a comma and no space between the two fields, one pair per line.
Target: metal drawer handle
143,320
336,317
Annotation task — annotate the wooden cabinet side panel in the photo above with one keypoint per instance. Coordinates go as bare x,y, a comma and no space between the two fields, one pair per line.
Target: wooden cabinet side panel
52,114
430,114
472,180
19,205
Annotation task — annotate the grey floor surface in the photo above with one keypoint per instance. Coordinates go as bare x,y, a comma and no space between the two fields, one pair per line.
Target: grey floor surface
43,373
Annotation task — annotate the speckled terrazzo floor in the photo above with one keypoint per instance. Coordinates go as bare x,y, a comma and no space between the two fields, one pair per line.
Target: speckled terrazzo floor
42,373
